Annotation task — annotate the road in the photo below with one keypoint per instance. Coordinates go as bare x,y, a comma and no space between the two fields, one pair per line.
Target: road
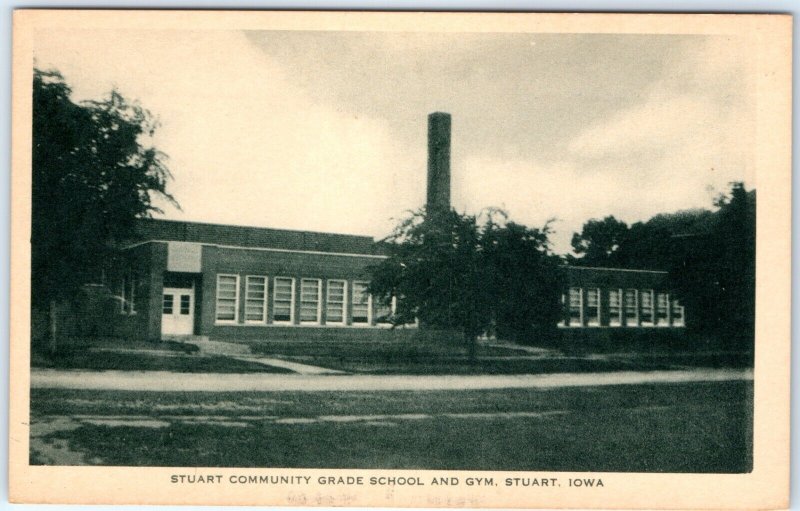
226,382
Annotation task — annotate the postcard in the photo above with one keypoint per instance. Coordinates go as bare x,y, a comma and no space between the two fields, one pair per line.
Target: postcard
370,259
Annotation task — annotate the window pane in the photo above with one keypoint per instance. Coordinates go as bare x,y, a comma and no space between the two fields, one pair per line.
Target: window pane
647,305
282,301
309,300
614,307
662,308
185,304
255,298
575,302
593,306
678,318
227,286
166,305
335,303
631,304
122,290
131,302
360,303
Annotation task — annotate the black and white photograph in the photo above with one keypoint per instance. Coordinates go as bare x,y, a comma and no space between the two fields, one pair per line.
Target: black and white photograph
393,251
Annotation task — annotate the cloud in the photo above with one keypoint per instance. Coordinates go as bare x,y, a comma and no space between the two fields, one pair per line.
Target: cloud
326,131
246,145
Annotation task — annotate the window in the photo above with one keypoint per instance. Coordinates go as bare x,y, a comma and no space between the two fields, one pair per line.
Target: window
131,301
362,304
614,307
310,298
384,311
255,299
283,300
123,306
647,306
227,298
678,317
335,303
631,307
186,304
167,305
575,306
662,309
593,306
127,295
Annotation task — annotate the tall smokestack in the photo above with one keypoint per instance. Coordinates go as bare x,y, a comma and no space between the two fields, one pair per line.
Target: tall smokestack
438,163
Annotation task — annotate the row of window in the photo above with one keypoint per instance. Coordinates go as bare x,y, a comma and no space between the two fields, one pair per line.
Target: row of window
257,299
625,306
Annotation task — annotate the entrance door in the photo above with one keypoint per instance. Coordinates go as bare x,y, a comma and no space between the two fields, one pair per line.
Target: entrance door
177,311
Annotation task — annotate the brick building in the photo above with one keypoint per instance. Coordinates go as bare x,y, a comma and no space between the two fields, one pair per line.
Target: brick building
224,281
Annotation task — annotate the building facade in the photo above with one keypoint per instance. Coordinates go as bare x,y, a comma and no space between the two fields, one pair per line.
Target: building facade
223,281
622,298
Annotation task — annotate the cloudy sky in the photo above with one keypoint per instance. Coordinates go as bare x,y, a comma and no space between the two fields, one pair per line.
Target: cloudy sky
326,131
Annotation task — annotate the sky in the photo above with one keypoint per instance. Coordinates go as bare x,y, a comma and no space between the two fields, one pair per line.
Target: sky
326,131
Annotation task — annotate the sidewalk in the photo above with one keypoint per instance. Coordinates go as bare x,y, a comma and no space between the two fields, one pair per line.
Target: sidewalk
254,382
242,352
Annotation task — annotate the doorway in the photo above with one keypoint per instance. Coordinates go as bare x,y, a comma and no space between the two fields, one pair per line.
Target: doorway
177,311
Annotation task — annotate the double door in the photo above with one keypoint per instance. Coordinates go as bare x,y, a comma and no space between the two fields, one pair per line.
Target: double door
177,311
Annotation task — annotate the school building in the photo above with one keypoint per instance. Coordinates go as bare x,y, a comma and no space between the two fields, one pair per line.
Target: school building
233,282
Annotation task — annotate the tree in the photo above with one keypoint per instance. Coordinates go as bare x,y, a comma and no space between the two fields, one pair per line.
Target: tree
716,277
94,171
525,280
599,242
652,244
460,272
649,245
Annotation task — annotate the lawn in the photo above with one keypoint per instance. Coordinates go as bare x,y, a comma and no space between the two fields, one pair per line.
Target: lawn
420,358
98,360
705,427
382,358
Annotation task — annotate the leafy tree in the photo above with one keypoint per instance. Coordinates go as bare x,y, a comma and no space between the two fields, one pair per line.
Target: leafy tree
94,172
460,272
652,245
599,243
644,245
525,280
710,256
716,277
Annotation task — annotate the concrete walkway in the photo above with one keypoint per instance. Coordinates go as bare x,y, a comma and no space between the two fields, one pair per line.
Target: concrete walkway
292,366
242,352
254,382
532,350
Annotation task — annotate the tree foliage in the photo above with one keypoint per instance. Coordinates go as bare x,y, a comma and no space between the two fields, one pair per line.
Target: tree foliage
470,273
710,257
600,241
93,173
715,275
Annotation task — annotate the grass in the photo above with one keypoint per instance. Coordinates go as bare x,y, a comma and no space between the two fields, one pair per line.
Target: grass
378,350
418,358
143,361
704,427
116,343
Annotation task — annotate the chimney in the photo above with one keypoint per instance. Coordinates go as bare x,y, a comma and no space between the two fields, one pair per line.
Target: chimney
438,163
